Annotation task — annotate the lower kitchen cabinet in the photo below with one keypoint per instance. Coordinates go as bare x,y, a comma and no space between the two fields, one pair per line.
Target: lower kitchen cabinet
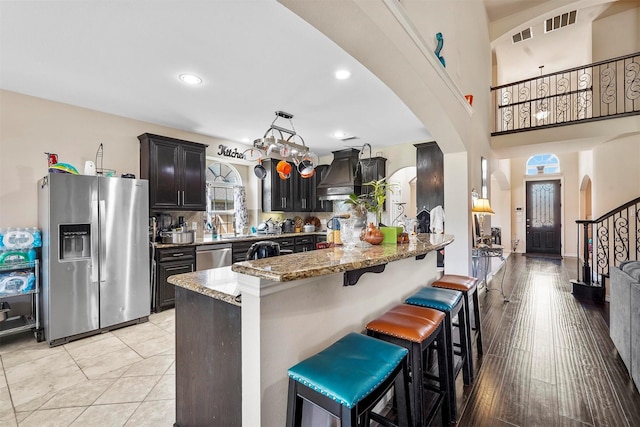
304,243
239,250
171,261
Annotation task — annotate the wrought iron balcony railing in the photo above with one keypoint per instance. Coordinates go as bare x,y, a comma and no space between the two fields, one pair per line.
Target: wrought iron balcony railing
602,90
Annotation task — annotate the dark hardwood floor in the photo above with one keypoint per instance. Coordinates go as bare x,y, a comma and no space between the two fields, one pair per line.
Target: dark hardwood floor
548,359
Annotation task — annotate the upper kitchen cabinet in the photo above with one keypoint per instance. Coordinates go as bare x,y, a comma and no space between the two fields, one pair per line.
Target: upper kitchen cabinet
373,169
429,176
277,193
176,173
319,205
302,192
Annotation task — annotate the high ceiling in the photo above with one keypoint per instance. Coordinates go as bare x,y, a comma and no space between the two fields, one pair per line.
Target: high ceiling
254,57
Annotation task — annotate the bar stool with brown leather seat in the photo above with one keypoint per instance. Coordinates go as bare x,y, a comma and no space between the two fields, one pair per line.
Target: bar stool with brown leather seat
451,303
466,285
416,329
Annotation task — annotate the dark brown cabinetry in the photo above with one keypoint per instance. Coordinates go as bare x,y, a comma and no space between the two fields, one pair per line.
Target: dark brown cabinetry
171,261
277,193
286,195
319,205
302,192
239,250
176,172
304,243
296,194
208,361
373,169
429,176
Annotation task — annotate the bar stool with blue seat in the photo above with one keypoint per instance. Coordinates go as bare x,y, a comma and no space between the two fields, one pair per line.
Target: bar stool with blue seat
466,285
451,304
348,379
416,329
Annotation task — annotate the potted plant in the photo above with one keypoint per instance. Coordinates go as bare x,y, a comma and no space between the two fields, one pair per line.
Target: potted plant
377,196
373,202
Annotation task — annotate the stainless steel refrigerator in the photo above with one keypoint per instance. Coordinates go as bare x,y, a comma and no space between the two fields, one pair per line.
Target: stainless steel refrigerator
95,254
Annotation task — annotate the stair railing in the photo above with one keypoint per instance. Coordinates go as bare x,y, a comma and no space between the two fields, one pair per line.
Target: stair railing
608,241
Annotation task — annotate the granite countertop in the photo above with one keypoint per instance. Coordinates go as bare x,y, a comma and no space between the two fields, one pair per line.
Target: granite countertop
219,283
321,262
247,238
222,283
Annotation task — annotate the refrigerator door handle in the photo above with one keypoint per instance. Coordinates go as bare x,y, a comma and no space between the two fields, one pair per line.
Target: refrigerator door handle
103,241
94,241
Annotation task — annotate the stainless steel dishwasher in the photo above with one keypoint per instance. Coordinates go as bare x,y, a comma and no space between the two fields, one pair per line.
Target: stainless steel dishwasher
213,256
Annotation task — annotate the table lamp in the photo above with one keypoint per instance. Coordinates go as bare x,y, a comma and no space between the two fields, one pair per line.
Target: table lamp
481,208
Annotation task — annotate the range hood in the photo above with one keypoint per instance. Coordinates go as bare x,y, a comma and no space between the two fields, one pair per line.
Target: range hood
343,177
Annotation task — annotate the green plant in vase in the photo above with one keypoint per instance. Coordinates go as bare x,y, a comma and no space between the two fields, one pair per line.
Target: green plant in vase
377,196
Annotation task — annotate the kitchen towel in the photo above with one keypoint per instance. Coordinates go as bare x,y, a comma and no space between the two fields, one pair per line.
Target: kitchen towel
240,205
437,220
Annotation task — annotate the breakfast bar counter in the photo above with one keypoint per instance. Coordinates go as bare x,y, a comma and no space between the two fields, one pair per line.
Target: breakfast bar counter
239,328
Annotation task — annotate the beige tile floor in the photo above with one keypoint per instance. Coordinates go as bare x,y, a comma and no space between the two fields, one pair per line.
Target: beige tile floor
124,377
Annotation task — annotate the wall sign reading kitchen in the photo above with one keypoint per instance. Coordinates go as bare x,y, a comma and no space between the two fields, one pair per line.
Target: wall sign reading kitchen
226,151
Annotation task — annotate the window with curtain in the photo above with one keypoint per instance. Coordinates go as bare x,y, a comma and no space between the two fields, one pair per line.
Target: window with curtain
221,180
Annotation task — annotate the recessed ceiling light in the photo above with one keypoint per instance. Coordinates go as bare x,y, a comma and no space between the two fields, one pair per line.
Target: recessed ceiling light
191,79
339,134
343,74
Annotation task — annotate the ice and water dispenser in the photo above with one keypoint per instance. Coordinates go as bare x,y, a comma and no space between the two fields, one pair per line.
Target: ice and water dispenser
75,241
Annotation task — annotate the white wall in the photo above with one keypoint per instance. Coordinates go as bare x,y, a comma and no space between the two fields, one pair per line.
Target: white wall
30,126
617,31
500,190
406,63
616,173
570,199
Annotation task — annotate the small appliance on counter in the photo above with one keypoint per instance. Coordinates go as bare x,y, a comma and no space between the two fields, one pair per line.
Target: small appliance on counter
288,226
263,249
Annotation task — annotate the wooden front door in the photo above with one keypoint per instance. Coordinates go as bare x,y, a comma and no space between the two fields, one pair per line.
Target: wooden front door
543,217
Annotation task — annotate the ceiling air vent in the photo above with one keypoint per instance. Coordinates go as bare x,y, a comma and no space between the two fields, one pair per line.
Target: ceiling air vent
523,35
560,21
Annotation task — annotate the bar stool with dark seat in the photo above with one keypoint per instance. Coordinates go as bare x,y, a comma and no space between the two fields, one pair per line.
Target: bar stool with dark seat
451,304
348,379
466,285
416,329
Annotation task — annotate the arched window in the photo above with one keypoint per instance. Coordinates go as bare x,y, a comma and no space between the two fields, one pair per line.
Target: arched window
543,163
222,178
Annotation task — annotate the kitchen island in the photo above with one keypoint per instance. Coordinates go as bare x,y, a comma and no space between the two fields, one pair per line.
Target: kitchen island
279,311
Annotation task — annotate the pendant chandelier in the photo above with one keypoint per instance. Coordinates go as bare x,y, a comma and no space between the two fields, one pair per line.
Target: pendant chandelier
280,141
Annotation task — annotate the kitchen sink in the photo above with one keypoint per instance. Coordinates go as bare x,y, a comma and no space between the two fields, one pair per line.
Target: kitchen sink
234,236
